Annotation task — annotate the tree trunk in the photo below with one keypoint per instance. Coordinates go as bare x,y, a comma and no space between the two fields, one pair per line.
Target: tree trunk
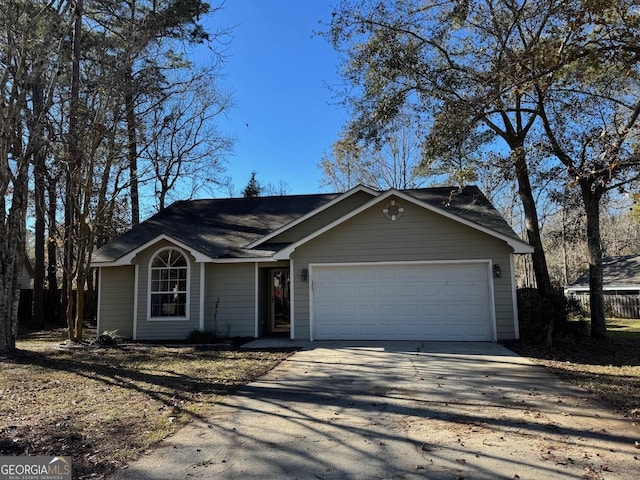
132,150
73,173
525,192
14,185
565,261
40,212
85,240
53,301
161,197
12,249
594,243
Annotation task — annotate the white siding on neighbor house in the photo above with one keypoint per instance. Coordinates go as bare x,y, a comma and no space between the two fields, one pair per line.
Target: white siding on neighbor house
116,300
418,235
166,329
233,286
26,279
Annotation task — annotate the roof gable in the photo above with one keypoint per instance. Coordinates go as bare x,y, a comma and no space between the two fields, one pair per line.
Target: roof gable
471,209
318,218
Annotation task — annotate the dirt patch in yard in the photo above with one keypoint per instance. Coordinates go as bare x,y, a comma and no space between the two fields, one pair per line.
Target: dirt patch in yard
106,406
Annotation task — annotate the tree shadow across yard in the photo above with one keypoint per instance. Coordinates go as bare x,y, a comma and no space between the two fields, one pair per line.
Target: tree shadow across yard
105,406
610,369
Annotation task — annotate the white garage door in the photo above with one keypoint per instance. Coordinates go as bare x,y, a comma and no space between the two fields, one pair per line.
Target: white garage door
402,302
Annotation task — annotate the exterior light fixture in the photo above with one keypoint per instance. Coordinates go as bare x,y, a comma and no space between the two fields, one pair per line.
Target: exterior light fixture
497,272
305,274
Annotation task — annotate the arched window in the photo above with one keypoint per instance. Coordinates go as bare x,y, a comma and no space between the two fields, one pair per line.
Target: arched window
169,284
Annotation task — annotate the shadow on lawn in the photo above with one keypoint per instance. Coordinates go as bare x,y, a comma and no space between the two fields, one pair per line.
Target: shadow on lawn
94,364
606,368
139,371
619,350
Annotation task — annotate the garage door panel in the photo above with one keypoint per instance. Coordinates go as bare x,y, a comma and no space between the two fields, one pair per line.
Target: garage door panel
402,302
407,291
346,313
382,274
408,312
326,311
366,291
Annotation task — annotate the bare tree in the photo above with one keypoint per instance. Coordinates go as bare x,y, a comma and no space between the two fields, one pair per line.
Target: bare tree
66,111
29,41
185,150
392,161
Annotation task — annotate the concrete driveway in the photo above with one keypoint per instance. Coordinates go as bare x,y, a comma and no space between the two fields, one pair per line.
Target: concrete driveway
401,410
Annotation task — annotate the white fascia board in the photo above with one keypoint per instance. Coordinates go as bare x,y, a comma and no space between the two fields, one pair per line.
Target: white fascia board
359,188
244,260
128,258
605,288
105,264
518,245
119,263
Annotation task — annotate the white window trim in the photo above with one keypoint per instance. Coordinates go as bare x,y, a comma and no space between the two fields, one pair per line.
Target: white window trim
292,301
188,290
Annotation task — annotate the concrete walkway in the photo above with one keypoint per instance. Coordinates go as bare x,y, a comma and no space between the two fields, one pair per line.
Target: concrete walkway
406,410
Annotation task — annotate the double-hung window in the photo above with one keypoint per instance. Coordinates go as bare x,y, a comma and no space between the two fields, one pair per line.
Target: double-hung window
169,285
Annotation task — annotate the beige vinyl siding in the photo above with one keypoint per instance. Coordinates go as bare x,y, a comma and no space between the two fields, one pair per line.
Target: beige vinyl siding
116,300
166,329
234,285
264,296
418,235
323,218
503,298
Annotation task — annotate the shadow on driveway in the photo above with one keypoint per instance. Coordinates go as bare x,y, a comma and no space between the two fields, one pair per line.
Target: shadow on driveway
400,410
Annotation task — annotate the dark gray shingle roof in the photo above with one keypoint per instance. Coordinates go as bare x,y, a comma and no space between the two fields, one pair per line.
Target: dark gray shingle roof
218,228
617,271
222,228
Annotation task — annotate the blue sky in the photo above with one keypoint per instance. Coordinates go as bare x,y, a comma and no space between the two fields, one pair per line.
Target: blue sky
285,116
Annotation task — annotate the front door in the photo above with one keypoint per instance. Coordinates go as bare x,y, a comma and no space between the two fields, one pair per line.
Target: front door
280,301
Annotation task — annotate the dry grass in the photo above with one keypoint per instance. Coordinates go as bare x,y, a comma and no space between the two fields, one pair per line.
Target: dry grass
609,369
105,406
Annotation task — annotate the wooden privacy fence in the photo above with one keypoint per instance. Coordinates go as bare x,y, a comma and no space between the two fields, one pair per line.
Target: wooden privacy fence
618,303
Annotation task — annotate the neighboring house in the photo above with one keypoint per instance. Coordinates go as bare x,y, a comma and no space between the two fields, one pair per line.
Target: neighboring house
26,274
26,292
621,285
427,264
